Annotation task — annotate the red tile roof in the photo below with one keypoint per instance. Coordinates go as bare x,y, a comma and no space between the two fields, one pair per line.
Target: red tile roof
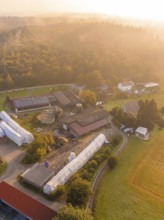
81,130
24,203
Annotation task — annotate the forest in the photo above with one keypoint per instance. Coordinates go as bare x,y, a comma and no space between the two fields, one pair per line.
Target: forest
40,51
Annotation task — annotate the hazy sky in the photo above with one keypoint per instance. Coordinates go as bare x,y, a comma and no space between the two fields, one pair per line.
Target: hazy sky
144,9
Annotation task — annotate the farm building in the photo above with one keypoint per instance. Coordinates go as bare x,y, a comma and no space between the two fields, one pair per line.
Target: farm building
86,121
126,86
142,133
151,86
31,103
12,134
27,136
37,175
66,99
131,107
15,204
78,162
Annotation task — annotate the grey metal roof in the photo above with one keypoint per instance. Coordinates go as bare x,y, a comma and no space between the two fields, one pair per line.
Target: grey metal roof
38,175
31,102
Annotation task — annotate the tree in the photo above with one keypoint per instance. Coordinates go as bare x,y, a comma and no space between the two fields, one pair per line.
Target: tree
148,114
88,97
112,161
71,213
162,111
79,192
93,79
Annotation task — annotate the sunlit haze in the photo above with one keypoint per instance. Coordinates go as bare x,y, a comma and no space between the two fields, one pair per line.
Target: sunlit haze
141,9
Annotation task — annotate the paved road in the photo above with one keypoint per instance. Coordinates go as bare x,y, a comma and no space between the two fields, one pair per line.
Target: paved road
100,173
71,85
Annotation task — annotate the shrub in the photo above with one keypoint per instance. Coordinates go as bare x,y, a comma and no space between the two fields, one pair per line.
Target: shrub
93,164
112,161
79,192
58,192
85,175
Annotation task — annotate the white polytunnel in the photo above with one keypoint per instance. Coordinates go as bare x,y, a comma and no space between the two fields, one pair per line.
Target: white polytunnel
12,134
28,137
72,167
2,134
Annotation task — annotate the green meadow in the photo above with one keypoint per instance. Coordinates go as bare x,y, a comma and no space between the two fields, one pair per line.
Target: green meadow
134,190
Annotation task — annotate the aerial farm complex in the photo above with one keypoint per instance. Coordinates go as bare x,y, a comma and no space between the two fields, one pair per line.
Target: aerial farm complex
78,132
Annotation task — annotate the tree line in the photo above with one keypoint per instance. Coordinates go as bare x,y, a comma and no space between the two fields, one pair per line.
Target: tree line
148,115
52,50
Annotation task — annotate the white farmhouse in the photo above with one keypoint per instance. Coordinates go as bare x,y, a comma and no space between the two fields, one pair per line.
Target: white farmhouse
125,86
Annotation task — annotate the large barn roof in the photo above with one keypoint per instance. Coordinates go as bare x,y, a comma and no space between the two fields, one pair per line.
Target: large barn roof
81,130
66,98
85,122
30,102
24,203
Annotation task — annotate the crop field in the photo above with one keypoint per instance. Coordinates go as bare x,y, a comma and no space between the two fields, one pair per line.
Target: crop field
149,175
134,190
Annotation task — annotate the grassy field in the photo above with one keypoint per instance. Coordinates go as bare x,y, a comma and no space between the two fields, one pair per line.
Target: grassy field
135,189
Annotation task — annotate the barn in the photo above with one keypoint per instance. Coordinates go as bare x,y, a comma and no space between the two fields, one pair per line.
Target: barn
31,103
15,204
85,122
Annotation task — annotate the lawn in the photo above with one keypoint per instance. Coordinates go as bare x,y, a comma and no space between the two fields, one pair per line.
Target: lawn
134,190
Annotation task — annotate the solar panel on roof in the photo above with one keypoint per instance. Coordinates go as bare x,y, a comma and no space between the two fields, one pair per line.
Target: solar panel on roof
31,102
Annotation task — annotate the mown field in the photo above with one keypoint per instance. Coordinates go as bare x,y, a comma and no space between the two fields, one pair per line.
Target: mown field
134,190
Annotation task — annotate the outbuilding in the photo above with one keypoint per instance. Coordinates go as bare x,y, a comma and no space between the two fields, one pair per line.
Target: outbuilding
125,86
142,133
37,175
15,204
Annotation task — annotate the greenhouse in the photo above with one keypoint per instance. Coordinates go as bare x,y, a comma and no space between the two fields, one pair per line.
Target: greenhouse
27,136
12,134
72,167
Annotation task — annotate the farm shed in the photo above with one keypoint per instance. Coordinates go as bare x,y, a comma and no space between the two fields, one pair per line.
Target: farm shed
31,103
28,137
37,175
142,133
20,206
151,86
12,134
72,167
66,99
84,122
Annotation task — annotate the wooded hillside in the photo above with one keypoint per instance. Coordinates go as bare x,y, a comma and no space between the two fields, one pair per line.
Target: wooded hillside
37,51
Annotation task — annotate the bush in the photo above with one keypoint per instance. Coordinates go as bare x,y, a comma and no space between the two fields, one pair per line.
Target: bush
112,161
58,192
116,140
93,164
79,192
85,175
